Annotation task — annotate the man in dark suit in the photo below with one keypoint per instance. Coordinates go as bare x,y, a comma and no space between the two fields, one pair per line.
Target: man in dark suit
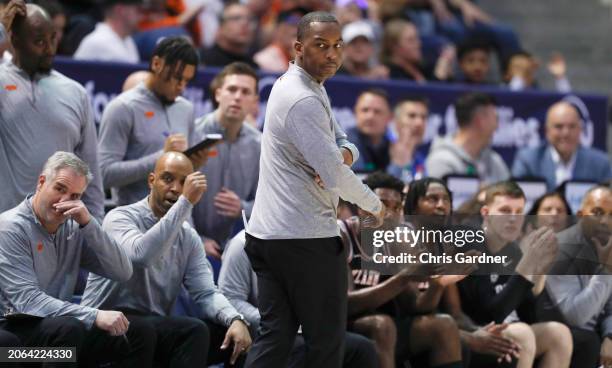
562,157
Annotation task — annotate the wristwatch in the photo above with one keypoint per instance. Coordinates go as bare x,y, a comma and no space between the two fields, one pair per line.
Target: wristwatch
240,317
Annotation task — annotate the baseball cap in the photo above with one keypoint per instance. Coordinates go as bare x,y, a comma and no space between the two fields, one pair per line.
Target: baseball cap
357,29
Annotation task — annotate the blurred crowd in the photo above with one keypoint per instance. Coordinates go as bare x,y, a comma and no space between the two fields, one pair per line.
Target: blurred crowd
451,41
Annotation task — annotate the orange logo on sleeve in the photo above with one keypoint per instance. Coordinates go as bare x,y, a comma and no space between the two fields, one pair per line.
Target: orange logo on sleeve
149,114
10,87
39,247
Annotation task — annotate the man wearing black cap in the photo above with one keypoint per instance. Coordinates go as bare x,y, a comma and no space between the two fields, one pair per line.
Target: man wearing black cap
112,39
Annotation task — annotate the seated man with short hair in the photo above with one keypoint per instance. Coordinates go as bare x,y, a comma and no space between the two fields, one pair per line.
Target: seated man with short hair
580,287
167,253
44,241
507,292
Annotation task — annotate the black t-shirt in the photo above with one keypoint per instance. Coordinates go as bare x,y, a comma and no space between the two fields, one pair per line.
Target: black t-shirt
491,296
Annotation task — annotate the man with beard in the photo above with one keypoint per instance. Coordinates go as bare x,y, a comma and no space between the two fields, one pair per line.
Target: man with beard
167,254
580,288
142,123
41,112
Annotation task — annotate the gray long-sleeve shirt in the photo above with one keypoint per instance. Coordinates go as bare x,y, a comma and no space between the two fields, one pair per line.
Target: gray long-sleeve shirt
133,130
237,280
38,117
584,300
299,141
166,253
40,270
236,167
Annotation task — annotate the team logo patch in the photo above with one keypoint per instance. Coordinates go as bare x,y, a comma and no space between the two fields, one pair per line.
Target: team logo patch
10,87
149,114
39,247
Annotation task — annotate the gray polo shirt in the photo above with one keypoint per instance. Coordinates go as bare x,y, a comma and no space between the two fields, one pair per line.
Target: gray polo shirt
299,141
583,297
133,130
40,270
166,253
236,167
38,117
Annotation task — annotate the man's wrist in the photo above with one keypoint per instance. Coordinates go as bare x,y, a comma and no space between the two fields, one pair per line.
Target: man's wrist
240,318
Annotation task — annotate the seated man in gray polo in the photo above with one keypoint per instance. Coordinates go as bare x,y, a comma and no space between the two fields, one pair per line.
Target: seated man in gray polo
43,242
167,253
579,290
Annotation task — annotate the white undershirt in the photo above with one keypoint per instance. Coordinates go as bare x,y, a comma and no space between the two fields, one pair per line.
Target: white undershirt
563,171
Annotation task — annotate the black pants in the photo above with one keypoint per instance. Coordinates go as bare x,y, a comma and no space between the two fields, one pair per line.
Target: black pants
359,352
183,341
93,346
587,345
301,282
8,339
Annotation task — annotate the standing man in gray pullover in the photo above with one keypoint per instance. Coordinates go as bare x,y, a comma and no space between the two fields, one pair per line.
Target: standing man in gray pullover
233,174
139,125
41,112
301,269
167,254
43,242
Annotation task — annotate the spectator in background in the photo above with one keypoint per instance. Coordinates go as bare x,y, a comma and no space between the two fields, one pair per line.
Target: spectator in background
234,37
474,57
467,152
359,52
139,125
401,51
402,54
464,19
519,72
168,18
233,174
8,11
550,210
112,39
276,56
407,162
562,157
58,116
580,287
173,13
372,116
